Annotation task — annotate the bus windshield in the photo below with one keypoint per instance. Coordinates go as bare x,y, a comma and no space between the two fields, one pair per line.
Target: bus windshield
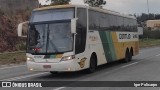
50,31
51,15
48,38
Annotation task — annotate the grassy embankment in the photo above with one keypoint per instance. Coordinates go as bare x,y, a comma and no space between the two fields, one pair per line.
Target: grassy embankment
149,42
16,58
12,58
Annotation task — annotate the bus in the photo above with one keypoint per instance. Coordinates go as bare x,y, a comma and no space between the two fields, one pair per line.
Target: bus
68,38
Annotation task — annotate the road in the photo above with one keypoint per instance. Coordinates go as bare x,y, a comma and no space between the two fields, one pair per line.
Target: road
143,67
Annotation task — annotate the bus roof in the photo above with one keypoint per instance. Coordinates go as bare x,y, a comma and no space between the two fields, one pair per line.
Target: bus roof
83,6
53,7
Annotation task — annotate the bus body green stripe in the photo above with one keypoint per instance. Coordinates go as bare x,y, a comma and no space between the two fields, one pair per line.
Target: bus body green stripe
108,46
111,45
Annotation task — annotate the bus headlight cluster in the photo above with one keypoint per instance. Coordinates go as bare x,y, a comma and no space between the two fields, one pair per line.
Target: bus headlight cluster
68,58
30,59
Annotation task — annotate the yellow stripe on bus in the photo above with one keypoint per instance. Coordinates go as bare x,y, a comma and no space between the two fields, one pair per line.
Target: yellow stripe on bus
120,47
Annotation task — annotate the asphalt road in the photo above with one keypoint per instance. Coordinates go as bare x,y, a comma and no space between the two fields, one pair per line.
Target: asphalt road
144,67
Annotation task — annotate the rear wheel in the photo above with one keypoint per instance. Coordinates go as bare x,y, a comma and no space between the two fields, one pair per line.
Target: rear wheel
130,57
127,56
131,54
93,64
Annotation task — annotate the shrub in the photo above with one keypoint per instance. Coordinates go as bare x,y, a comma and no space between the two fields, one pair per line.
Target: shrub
151,34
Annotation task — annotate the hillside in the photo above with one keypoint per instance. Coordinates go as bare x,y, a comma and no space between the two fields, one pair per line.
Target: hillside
13,12
11,6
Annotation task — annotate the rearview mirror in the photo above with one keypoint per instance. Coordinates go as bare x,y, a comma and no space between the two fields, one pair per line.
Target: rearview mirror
73,25
22,29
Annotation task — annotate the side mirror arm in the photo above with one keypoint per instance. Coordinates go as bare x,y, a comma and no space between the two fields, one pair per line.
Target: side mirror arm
73,25
20,28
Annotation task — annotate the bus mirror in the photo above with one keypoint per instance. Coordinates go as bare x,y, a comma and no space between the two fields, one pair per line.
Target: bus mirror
73,25
22,29
140,30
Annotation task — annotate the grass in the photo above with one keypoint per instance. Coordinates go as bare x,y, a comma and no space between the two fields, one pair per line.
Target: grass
149,42
12,58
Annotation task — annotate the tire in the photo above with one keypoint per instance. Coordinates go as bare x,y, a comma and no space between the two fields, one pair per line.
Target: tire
93,64
53,72
127,56
130,56
131,51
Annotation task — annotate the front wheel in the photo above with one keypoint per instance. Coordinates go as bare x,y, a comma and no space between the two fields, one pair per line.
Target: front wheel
93,64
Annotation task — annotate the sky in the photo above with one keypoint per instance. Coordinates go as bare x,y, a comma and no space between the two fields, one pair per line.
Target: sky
127,6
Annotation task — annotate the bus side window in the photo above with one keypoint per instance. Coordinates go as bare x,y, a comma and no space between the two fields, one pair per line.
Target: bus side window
81,30
79,34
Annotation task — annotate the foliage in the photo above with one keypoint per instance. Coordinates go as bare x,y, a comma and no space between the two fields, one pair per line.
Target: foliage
11,6
151,34
21,46
9,20
95,3
143,17
59,2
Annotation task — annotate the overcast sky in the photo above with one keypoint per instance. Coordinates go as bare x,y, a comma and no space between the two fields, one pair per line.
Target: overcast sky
128,6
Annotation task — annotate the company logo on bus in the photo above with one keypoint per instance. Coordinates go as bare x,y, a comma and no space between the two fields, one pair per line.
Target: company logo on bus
82,62
127,36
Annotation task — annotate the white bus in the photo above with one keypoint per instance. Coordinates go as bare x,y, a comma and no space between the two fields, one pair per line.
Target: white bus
69,38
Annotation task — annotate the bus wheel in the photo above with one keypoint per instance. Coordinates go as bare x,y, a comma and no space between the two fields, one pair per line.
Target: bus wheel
127,56
53,72
93,64
131,54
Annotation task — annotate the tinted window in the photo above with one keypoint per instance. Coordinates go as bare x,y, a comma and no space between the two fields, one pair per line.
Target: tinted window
104,21
50,38
81,30
94,20
50,15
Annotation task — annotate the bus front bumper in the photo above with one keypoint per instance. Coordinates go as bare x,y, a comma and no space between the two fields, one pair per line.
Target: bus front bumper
64,66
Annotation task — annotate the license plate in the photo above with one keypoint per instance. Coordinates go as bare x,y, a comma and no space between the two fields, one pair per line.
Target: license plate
46,66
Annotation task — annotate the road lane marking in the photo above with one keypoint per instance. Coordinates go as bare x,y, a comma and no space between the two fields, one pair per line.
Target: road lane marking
32,75
22,77
59,88
158,55
12,67
129,65
107,72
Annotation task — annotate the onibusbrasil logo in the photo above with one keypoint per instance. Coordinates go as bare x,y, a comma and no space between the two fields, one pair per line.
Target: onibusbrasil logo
18,84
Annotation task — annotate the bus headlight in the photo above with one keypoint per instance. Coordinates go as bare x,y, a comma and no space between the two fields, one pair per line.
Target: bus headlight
68,58
30,59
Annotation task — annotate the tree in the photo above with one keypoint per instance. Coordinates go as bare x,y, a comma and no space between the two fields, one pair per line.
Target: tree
95,3
157,16
59,2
